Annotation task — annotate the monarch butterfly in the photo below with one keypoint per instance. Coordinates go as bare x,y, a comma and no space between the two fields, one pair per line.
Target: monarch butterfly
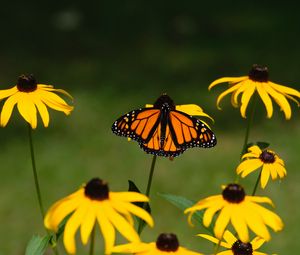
164,131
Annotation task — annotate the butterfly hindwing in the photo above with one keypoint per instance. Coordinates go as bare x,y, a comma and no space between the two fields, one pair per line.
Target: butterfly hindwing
189,132
138,124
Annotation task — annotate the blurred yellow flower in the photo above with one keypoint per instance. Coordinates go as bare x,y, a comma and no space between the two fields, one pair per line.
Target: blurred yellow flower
29,97
165,244
258,80
269,161
94,202
239,209
235,246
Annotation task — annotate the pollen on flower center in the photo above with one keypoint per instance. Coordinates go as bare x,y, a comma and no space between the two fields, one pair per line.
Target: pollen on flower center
167,242
96,189
26,83
240,248
259,73
234,193
267,157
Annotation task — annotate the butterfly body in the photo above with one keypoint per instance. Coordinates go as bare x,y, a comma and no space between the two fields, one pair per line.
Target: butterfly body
164,131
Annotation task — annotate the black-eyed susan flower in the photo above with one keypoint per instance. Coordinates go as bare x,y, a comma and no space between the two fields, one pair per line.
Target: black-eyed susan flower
241,210
31,96
165,244
235,246
257,81
95,203
271,164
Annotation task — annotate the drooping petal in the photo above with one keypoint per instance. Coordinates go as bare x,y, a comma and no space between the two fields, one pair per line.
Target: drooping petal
265,175
248,166
246,98
209,213
222,221
50,88
239,223
8,108
257,242
121,224
255,149
55,102
8,92
193,110
265,98
235,95
227,79
225,93
284,89
280,170
106,227
41,108
71,227
131,248
229,238
257,199
281,101
128,196
215,240
260,253
228,252
138,211
88,223
27,109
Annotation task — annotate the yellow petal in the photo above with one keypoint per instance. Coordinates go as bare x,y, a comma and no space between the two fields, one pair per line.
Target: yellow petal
227,79
257,242
281,171
248,166
257,199
281,101
193,110
128,196
8,92
8,108
50,88
265,175
88,223
239,223
71,227
229,238
209,213
246,98
265,98
225,93
228,252
255,149
27,109
131,248
139,212
41,108
215,240
285,89
235,95
55,102
222,221
106,227
121,224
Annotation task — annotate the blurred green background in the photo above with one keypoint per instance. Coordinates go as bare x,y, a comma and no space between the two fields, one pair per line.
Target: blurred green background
115,56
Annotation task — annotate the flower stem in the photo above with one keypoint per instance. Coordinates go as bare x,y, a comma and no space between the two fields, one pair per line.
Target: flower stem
256,184
219,243
92,244
36,181
148,189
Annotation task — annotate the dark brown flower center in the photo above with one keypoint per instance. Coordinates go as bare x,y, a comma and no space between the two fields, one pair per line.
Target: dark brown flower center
267,157
234,193
259,73
167,242
240,248
96,189
27,83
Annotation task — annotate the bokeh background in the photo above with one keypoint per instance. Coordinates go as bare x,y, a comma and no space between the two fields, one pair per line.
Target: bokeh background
115,56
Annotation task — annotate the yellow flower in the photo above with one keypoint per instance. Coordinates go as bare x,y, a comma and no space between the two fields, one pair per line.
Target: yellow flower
269,161
235,246
165,244
239,209
258,80
94,202
29,97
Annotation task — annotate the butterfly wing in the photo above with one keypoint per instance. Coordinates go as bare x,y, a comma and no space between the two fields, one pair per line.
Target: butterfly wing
169,149
139,125
189,131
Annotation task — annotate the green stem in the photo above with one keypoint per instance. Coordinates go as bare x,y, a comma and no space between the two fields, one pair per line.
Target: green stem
256,184
36,181
219,243
92,244
148,189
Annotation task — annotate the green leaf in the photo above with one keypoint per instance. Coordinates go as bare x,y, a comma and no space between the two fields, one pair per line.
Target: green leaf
183,203
146,206
37,245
